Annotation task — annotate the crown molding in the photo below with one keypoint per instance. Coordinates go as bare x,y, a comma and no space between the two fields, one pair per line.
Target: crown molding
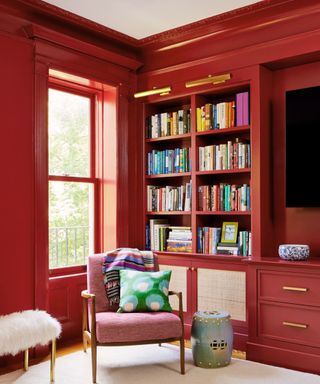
222,23
36,32
69,17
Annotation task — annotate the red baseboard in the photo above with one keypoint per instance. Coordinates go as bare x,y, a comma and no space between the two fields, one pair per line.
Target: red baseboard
281,357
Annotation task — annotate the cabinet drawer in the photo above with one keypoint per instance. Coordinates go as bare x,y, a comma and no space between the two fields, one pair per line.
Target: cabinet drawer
290,323
289,287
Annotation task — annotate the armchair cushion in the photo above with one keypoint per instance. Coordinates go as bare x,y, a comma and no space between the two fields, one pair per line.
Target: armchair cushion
144,291
114,327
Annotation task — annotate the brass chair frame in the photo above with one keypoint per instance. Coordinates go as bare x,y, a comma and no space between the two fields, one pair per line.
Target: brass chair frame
90,337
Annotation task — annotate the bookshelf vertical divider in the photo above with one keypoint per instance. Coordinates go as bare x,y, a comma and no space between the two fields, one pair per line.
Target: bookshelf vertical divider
194,160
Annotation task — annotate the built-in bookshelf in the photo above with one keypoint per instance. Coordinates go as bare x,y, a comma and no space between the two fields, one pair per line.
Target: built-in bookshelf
198,172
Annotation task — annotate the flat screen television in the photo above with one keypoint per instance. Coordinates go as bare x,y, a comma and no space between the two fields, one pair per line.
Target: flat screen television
302,147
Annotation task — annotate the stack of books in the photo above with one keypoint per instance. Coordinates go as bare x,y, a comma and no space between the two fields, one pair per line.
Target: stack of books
180,239
228,249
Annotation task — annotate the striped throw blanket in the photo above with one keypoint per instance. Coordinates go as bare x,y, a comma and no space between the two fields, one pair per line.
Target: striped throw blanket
123,258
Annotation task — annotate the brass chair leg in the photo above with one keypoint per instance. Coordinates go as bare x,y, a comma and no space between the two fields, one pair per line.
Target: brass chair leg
26,360
182,363
52,360
94,361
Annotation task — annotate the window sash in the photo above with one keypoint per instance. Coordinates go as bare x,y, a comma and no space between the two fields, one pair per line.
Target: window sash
80,90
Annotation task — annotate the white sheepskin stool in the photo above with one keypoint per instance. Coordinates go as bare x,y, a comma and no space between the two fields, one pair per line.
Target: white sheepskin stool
20,331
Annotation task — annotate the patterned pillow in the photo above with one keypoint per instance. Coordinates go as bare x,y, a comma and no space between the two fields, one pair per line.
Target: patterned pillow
144,291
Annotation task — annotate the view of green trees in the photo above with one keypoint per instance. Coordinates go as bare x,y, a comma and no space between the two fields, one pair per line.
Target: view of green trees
70,203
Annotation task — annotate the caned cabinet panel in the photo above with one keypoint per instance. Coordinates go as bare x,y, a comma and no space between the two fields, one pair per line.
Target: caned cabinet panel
222,290
178,283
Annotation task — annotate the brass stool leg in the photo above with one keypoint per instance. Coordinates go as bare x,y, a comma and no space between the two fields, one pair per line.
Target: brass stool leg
52,360
26,360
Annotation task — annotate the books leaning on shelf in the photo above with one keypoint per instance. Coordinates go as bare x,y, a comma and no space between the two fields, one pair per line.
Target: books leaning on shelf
168,124
224,197
168,161
208,238
231,155
169,198
180,239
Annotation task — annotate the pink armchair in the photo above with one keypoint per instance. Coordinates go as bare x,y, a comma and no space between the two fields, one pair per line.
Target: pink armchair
103,327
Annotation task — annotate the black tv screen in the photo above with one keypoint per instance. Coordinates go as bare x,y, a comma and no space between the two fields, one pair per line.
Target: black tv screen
302,147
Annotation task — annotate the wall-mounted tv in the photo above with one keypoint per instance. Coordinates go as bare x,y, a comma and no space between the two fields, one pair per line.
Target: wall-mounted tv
303,147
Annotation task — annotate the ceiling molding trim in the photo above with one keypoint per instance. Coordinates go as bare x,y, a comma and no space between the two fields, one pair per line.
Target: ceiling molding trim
36,32
211,25
70,17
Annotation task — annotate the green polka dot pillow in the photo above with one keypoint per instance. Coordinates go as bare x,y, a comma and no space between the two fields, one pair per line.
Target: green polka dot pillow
144,291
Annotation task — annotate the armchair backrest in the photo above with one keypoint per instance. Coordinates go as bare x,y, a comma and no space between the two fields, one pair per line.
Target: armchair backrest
95,280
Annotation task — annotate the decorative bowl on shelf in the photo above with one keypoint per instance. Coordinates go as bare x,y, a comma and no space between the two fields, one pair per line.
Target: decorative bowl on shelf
294,251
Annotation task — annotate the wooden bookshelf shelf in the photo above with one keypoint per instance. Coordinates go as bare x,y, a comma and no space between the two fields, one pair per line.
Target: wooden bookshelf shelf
170,138
164,175
225,131
224,171
169,213
205,256
226,213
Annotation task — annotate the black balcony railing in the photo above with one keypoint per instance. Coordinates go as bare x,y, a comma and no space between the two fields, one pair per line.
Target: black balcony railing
68,246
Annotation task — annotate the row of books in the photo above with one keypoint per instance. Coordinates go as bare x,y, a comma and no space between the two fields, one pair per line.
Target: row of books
168,161
161,236
208,239
226,114
224,197
216,116
209,242
168,124
232,155
169,198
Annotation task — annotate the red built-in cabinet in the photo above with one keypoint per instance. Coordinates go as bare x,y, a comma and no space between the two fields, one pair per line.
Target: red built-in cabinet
210,281
274,304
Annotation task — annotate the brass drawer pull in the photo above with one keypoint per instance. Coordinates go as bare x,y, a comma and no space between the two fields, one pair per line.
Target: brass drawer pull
294,325
297,289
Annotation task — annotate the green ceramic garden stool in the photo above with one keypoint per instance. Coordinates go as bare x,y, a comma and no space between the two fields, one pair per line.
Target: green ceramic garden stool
211,339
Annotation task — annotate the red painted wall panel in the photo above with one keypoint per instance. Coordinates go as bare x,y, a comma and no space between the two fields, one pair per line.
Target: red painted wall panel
17,176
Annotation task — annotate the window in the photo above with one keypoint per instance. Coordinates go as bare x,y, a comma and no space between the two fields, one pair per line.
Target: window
72,175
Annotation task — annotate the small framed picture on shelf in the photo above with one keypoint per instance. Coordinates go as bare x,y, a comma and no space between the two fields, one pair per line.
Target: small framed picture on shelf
229,232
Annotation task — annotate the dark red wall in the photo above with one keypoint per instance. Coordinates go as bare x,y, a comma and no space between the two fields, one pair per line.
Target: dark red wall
17,270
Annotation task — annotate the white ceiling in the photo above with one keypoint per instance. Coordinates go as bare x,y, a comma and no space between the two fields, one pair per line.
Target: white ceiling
143,18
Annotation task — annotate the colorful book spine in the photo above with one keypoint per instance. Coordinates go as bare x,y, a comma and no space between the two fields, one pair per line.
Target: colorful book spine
239,109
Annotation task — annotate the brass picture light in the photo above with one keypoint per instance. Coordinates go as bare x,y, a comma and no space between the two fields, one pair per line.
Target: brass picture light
209,80
156,91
